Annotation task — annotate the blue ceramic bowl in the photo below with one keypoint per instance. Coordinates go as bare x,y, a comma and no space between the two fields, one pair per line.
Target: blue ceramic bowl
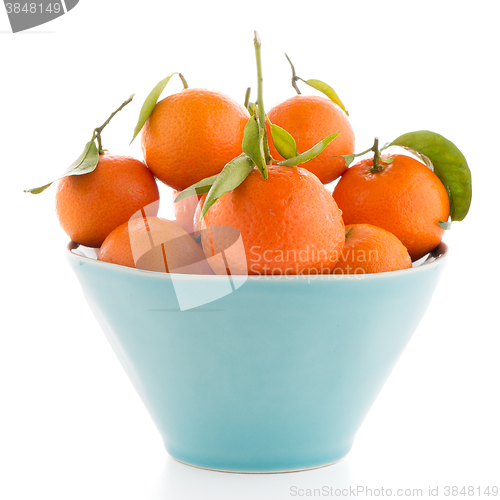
277,375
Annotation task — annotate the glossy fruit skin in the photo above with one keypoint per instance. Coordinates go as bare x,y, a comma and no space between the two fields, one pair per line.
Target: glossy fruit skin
158,244
289,224
370,249
405,198
309,119
90,206
191,135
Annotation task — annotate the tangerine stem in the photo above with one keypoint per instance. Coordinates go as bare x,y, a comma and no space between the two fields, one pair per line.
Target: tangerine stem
99,143
183,80
98,130
294,76
376,157
260,100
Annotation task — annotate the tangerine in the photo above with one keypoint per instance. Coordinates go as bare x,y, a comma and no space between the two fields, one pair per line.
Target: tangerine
405,198
289,224
192,135
309,119
91,205
371,249
154,244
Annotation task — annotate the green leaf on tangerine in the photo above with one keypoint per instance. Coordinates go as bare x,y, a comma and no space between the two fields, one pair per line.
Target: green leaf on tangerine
283,141
447,162
445,224
84,164
386,161
328,91
253,144
198,188
348,158
232,175
149,104
309,154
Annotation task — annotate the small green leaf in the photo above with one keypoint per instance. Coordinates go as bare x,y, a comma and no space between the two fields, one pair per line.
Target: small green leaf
253,144
445,224
84,164
386,161
348,158
38,190
447,162
309,154
198,188
251,108
327,90
232,175
284,142
149,104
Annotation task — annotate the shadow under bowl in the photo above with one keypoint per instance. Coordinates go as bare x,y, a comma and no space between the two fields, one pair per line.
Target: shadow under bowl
277,375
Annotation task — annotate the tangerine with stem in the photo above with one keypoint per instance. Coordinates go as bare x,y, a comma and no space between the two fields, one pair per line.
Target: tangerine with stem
90,205
400,195
289,224
309,119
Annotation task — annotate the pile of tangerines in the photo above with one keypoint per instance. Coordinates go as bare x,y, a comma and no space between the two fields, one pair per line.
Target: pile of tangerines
233,165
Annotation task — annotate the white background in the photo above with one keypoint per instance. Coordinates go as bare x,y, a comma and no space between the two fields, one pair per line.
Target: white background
71,425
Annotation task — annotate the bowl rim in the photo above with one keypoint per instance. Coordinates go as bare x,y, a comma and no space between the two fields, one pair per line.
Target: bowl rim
430,261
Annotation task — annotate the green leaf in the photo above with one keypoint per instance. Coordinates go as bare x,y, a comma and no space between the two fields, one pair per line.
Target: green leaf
201,187
447,162
84,164
232,175
309,154
149,105
327,90
445,224
386,161
253,144
38,190
251,108
348,158
284,142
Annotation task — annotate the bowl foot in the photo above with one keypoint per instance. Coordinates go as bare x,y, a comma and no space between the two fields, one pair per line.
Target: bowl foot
277,471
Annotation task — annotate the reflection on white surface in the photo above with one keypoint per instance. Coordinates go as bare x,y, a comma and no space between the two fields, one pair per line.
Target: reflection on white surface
180,482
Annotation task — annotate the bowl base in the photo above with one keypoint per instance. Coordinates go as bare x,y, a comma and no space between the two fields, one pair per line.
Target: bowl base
288,471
